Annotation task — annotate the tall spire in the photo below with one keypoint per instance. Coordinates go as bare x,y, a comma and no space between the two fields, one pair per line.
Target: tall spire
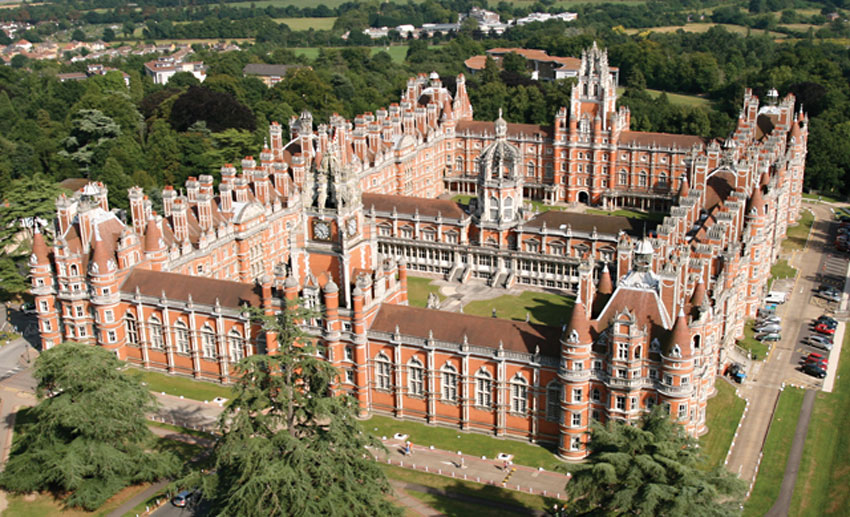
39,248
578,330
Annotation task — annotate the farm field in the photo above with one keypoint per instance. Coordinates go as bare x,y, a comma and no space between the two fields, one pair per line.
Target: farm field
397,52
303,24
681,99
703,27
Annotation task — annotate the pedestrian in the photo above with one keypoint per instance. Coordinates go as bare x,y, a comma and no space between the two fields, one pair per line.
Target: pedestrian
408,450
505,466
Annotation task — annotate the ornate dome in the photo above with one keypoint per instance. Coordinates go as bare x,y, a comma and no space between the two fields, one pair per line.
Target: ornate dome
500,159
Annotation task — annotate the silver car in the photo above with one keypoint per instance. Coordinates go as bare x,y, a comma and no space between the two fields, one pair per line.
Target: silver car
775,320
768,327
819,342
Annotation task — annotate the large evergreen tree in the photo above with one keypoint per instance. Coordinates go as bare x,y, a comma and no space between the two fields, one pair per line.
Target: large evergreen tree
650,469
89,437
289,446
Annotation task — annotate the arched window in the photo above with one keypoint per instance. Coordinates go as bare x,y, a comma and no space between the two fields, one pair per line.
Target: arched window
415,378
642,178
483,389
519,394
383,379
662,179
72,270
132,329
155,333
208,342
553,402
638,350
622,177
236,345
449,381
494,208
459,165
181,337
530,169
509,208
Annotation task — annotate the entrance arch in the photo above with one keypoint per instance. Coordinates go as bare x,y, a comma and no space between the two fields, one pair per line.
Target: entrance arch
583,197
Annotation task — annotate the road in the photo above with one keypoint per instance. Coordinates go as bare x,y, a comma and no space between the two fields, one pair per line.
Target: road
817,264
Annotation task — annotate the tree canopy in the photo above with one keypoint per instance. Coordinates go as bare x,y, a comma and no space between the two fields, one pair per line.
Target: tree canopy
89,437
289,445
653,468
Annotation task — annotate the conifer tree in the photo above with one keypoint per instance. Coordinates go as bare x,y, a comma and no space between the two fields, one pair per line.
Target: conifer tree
290,446
653,468
89,437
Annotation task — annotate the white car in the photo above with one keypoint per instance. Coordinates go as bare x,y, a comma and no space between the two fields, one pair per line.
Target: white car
776,320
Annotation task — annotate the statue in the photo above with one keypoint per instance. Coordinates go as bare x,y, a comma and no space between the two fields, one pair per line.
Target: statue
433,301
322,197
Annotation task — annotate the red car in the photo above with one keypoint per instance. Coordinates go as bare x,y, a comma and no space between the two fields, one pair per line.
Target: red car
814,356
821,363
824,329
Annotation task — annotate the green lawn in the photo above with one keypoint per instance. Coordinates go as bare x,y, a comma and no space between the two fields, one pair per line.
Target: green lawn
457,486
175,385
418,289
821,197
680,99
463,199
181,430
475,444
454,508
750,343
782,270
776,449
722,417
303,24
824,473
797,235
397,52
546,308
41,505
653,217
543,207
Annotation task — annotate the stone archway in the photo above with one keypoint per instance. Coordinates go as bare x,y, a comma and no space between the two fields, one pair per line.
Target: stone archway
583,197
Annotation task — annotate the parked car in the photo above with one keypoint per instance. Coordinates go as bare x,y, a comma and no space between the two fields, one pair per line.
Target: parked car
821,342
830,293
767,328
844,218
814,370
766,311
817,357
183,499
775,297
28,308
827,323
823,328
736,371
769,336
828,320
776,320
822,363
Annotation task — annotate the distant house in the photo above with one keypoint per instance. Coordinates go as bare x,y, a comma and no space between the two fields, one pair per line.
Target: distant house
269,74
92,70
542,65
163,68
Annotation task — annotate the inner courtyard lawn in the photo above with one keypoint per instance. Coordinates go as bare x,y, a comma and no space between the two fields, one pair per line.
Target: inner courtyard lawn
546,308
776,450
824,473
475,444
418,289
722,416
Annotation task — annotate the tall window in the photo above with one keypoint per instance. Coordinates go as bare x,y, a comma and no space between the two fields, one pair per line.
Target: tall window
181,337
642,178
416,377
236,345
509,208
459,165
155,333
483,389
623,351
622,177
132,329
494,208
382,372
208,341
553,402
450,378
519,395
530,169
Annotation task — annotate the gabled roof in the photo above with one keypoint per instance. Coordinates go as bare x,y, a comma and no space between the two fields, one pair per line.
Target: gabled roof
180,287
604,224
514,130
409,205
515,336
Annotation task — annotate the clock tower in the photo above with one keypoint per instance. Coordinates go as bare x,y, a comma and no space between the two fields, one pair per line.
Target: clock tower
337,241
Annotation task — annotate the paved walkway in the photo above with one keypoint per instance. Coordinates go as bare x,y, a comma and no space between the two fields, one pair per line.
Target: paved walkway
786,490
473,468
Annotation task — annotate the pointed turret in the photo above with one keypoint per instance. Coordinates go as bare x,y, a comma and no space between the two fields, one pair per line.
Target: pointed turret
680,339
683,187
699,294
103,260
757,202
606,287
153,237
578,330
39,249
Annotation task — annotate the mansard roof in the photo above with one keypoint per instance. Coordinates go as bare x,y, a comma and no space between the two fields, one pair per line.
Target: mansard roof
409,205
604,224
515,336
718,187
514,130
180,287
647,139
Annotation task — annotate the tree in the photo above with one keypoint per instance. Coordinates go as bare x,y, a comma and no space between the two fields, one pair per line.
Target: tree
650,469
128,28
219,110
78,35
89,436
25,199
90,129
13,281
289,445
108,34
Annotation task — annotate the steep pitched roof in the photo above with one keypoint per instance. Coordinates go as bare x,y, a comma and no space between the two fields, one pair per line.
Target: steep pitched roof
409,205
180,287
515,336
607,224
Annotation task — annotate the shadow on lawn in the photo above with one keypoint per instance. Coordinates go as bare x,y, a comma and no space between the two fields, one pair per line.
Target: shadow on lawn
488,500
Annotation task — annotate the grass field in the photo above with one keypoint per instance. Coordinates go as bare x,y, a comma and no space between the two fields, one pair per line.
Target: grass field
782,270
469,443
703,27
824,473
652,217
453,508
463,199
418,289
722,416
797,235
776,449
493,493
680,99
546,308
42,505
173,385
821,197
303,24
397,52
757,348
336,3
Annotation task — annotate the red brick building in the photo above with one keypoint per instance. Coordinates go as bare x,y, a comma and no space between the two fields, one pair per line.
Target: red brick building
341,213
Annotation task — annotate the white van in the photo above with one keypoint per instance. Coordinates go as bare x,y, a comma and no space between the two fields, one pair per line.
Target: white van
775,297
